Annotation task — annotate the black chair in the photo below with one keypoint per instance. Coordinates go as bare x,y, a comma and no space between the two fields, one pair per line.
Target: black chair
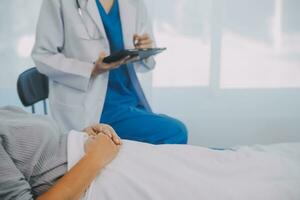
33,87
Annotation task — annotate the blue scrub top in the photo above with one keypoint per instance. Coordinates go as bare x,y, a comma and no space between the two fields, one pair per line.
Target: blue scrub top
120,92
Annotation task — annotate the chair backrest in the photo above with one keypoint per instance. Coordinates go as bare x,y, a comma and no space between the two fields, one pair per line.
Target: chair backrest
32,87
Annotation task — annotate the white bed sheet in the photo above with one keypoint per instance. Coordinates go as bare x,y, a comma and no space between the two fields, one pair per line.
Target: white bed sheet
170,172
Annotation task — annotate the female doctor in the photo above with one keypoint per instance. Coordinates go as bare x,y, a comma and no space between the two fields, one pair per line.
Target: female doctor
73,37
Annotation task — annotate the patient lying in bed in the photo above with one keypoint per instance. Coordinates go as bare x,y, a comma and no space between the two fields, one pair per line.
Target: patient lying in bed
38,161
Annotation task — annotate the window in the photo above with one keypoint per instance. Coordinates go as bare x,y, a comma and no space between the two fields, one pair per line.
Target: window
17,30
260,44
183,27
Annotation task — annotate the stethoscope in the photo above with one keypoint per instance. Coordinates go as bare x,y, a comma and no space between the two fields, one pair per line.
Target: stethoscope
79,8
80,13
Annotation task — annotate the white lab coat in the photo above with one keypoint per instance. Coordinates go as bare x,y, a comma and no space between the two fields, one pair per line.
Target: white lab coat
65,52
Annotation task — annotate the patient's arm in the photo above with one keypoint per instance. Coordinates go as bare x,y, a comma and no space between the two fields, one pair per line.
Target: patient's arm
99,152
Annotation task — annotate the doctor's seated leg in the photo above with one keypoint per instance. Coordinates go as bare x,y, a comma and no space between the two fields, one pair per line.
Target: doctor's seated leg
152,128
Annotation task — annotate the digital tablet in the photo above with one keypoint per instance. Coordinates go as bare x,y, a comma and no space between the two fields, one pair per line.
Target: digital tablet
133,55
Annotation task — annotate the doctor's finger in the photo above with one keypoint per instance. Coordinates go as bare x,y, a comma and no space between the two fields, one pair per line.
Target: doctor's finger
144,46
145,42
102,55
138,38
109,66
144,36
117,64
135,37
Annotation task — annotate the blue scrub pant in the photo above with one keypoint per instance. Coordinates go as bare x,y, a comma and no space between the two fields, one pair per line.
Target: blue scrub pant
151,128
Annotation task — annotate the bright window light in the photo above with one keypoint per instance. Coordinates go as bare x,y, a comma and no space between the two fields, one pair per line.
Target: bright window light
183,27
260,44
25,45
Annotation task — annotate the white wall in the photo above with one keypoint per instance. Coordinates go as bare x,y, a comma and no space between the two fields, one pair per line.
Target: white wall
233,117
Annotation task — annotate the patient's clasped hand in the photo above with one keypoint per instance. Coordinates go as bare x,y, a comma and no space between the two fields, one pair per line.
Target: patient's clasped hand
103,143
40,162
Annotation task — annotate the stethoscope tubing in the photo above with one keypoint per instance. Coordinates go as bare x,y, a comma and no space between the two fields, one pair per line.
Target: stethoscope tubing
78,7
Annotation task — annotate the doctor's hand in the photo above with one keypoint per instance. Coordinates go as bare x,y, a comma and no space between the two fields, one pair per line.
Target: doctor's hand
101,67
142,41
105,129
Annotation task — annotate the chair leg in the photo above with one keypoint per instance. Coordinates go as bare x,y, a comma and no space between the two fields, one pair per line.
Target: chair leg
33,109
45,107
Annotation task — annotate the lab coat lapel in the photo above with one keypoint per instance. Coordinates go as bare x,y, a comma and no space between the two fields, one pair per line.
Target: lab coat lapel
128,14
93,11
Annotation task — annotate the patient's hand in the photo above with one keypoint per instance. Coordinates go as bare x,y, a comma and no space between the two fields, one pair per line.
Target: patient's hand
95,129
101,148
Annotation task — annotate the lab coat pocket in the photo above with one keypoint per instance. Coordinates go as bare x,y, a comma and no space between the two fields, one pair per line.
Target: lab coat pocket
68,116
65,95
